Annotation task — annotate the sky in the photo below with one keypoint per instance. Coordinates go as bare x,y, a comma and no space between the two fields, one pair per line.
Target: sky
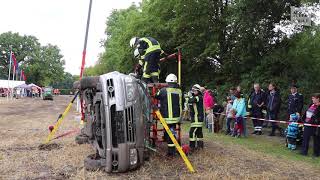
62,23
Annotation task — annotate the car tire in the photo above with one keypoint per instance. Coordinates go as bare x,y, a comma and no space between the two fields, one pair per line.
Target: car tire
76,85
89,82
82,139
91,163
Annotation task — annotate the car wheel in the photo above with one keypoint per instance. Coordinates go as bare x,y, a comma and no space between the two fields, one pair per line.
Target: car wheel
92,163
76,85
89,82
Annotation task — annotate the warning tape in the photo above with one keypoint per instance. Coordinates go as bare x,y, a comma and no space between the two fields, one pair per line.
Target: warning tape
278,121
175,142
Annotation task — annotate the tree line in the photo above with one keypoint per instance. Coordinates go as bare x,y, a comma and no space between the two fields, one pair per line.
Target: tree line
43,65
224,42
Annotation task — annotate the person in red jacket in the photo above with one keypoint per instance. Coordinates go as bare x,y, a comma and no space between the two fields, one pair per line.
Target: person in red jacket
209,102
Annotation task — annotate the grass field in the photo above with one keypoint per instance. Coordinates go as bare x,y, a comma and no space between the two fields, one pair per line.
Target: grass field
24,126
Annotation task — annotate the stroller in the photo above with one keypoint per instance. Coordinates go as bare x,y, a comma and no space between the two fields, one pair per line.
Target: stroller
294,133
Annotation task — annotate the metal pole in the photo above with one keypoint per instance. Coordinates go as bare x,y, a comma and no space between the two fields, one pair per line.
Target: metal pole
84,57
9,72
85,42
179,66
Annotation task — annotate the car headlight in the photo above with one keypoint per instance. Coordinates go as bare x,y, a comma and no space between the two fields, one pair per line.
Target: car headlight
130,92
133,156
130,89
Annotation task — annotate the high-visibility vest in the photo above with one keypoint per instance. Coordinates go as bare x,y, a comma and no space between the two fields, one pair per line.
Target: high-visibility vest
171,104
153,45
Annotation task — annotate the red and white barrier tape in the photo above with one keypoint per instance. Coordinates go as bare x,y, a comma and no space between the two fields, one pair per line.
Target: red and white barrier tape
278,121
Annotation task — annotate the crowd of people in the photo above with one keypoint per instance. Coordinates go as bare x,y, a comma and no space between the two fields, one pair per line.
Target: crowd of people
263,107
200,105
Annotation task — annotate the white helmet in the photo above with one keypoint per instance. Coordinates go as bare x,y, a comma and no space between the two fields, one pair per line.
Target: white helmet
171,78
196,87
133,41
136,53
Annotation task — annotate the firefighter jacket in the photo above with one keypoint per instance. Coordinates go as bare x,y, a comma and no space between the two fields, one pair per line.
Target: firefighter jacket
196,110
148,45
170,103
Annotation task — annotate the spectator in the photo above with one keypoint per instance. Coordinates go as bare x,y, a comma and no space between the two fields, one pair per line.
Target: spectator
238,89
239,106
232,91
208,101
229,115
273,107
312,116
256,103
295,101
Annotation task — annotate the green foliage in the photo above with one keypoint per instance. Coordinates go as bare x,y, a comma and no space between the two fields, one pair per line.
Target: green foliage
224,43
22,46
43,65
66,82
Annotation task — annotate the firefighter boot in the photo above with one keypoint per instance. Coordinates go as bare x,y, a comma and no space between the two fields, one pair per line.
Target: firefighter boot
200,144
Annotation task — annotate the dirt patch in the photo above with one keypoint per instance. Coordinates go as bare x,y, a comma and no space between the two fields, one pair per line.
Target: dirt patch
49,147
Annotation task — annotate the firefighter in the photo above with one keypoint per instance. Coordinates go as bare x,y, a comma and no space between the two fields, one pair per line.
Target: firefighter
150,51
138,70
197,117
171,107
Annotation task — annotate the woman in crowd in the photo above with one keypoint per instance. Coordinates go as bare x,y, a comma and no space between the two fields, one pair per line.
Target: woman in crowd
239,106
312,116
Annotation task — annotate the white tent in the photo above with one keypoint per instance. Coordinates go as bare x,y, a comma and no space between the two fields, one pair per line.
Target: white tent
33,85
10,84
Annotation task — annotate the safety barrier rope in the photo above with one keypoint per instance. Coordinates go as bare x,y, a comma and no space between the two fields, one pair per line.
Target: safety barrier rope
278,121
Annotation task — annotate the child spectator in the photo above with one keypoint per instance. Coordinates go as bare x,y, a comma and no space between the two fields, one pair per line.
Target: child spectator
292,132
237,130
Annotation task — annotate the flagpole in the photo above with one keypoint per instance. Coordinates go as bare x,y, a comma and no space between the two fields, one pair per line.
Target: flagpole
9,72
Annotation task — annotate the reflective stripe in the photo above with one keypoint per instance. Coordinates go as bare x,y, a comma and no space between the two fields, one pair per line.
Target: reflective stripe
141,62
151,47
195,112
197,124
155,74
171,145
193,138
172,120
170,113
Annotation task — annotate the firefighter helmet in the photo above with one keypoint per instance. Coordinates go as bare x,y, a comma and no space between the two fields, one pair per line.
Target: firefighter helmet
133,41
171,78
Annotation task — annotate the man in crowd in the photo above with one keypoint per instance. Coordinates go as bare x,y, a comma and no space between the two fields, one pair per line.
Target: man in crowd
256,103
295,101
273,107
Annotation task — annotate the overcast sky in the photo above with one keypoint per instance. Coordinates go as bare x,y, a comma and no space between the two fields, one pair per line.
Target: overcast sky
62,23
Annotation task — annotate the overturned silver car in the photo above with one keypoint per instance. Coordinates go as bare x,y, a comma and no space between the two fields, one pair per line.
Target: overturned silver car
118,117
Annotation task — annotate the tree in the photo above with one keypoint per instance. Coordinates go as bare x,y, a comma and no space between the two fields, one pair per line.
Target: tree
47,67
24,47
